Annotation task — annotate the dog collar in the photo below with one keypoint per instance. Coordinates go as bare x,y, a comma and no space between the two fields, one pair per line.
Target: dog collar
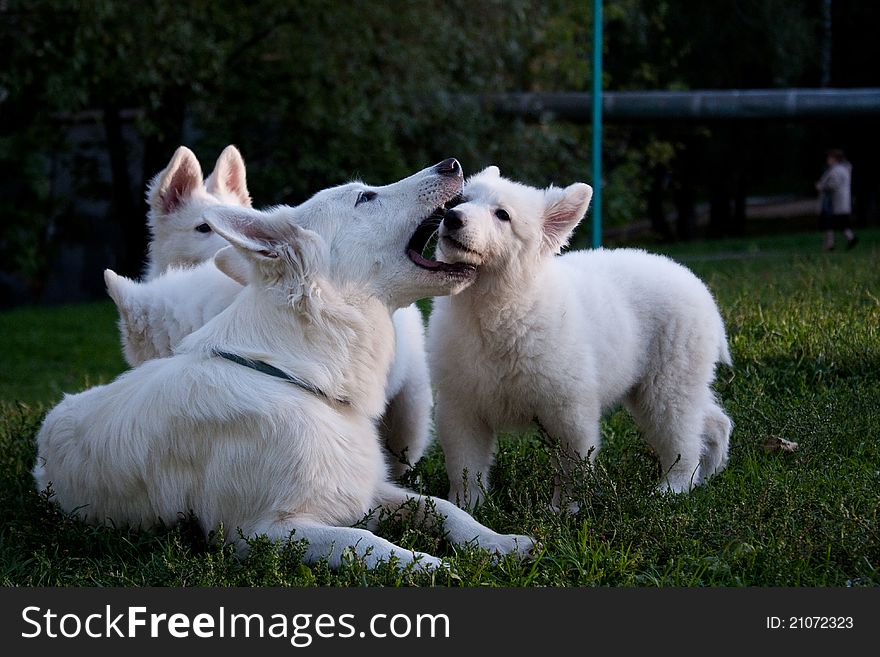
271,370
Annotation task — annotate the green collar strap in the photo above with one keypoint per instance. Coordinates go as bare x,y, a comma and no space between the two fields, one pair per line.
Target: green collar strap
271,370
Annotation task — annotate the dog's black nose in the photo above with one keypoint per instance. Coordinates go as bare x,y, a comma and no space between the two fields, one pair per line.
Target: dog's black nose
452,220
449,167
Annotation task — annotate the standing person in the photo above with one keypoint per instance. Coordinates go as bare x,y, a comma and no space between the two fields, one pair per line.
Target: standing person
834,189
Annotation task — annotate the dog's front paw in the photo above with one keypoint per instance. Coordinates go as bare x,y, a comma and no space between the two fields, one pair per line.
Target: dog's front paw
515,544
425,563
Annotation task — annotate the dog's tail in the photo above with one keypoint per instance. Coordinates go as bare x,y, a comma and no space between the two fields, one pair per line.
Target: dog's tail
724,352
723,356
114,283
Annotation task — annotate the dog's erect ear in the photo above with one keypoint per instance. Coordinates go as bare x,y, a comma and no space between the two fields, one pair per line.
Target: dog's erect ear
490,172
229,176
176,183
233,264
251,231
280,252
563,210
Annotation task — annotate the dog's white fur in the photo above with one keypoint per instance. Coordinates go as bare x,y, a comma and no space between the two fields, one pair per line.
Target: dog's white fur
564,338
185,288
178,199
155,316
195,432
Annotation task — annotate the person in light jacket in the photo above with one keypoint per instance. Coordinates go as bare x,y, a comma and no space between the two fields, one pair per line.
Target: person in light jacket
836,202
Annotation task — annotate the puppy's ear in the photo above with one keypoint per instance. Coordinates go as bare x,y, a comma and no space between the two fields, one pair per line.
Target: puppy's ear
176,183
281,253
229,176
232,263
563,210
490,172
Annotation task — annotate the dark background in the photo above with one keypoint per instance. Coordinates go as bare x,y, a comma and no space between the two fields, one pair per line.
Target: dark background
96,96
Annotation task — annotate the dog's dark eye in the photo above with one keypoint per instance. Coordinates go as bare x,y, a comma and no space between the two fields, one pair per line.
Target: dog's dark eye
203,228
363,197
502,214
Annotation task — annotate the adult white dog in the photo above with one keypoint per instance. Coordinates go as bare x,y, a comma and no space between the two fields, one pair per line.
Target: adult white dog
264,419
563,339
185,289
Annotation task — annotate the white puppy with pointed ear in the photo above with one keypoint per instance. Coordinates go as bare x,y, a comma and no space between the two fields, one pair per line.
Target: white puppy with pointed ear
562,339
154,317
228,180
185,286
178,198
264,419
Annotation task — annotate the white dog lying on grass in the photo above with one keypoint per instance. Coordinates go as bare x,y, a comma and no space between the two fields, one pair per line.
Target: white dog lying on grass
185,289
264,419
562,339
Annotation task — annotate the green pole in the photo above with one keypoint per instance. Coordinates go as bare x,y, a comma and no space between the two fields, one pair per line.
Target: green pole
597,123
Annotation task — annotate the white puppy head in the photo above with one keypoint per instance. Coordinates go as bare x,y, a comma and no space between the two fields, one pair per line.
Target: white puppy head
501,224
351,240
178,197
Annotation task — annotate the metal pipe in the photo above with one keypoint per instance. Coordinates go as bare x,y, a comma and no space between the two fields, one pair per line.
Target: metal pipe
734,104
597,124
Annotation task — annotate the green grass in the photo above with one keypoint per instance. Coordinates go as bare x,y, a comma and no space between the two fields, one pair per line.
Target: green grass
805,334
49,351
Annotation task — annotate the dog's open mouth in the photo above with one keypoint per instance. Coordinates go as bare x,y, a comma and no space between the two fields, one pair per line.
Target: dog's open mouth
415,250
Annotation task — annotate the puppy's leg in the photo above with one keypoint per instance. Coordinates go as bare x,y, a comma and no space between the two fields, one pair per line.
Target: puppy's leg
672,420
469,446
678,448
575,428
331,543
460,526
717,428
405,429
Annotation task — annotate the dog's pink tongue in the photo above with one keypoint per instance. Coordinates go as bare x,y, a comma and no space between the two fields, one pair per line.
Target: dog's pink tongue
421,260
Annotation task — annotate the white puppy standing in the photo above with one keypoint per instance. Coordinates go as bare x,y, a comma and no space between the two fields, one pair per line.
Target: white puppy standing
178,199
563,339
185,289
264,419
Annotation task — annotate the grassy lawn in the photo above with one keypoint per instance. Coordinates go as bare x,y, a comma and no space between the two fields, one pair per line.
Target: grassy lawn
805,335
50,351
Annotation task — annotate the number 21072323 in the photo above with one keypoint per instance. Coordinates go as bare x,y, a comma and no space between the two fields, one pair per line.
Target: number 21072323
809,623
